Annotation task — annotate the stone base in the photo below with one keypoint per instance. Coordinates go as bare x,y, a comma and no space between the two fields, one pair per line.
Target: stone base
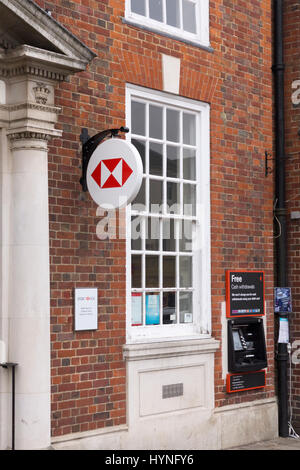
224,428
170,404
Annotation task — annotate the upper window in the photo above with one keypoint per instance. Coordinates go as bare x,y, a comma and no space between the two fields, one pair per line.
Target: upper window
168,223
187,19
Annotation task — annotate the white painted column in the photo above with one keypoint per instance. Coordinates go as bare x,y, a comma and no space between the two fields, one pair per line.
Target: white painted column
5,375
28,117
29,289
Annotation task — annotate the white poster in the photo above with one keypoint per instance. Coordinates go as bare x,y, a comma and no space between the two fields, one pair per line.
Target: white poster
283,330
86,309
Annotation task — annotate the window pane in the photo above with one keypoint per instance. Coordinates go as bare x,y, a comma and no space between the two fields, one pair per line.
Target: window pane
155,121
152,271
173,125
141,147
138,6
189,164
185,271
156,195
136,309
189,129
189,199
172,7
153,234
136,271
186,307
169,271
173,197
155,10
169,307
186,240
189,16
139,202
155,159
173,156
138,119
169,242
152,309
136,233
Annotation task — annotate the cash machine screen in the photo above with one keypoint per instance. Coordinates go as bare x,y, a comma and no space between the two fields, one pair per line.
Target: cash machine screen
237,341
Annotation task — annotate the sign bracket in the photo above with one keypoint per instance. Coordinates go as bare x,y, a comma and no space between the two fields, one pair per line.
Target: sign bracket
89,144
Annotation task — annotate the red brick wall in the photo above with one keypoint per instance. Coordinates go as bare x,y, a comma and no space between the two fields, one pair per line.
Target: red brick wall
292,125
88,375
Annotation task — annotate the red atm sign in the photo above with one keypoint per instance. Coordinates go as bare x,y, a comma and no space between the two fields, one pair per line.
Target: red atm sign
245,293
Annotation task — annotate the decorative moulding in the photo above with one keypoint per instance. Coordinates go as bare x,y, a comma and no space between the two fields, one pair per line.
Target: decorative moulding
29,60
41,92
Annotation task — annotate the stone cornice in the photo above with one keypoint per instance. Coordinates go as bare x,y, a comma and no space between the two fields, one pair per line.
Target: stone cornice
28,60
30,13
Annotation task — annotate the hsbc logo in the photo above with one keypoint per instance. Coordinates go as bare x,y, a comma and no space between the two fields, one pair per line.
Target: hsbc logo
114,174
111,173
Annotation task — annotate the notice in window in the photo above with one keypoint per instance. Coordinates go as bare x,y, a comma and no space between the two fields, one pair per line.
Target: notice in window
152,309
136,309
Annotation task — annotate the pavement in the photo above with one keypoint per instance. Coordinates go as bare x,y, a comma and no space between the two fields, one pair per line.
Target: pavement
280,443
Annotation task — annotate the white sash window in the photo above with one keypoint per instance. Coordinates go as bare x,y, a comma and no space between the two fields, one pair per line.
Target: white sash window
187,19
168,224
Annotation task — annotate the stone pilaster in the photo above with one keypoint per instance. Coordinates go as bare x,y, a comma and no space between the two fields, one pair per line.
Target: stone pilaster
27,122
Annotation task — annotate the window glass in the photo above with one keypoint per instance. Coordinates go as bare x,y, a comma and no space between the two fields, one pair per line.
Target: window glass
152,271
156,10
155,159
189,129
155,122
189,164
165,254
140,145
173,131
189,16
153,234
173,161
138,116
169,271
185,19
169,308
136,271
138,6
173,15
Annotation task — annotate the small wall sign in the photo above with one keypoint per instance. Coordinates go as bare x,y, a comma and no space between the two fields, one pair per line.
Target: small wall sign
245,293
283,300
245,381
86,309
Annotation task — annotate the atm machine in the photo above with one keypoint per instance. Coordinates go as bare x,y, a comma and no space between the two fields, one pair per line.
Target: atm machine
247,354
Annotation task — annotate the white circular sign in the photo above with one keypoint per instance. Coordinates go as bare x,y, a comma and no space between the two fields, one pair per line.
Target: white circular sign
114,173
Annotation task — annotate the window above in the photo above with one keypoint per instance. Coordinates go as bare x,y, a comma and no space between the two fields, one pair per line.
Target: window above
185,19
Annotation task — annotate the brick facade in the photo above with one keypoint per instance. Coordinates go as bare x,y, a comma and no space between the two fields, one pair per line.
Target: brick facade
88,372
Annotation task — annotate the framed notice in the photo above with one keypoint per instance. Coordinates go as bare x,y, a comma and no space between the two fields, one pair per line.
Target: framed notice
86,309
245,293
152,309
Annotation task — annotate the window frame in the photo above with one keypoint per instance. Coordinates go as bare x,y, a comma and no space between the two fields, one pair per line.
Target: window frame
201,325
201,37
